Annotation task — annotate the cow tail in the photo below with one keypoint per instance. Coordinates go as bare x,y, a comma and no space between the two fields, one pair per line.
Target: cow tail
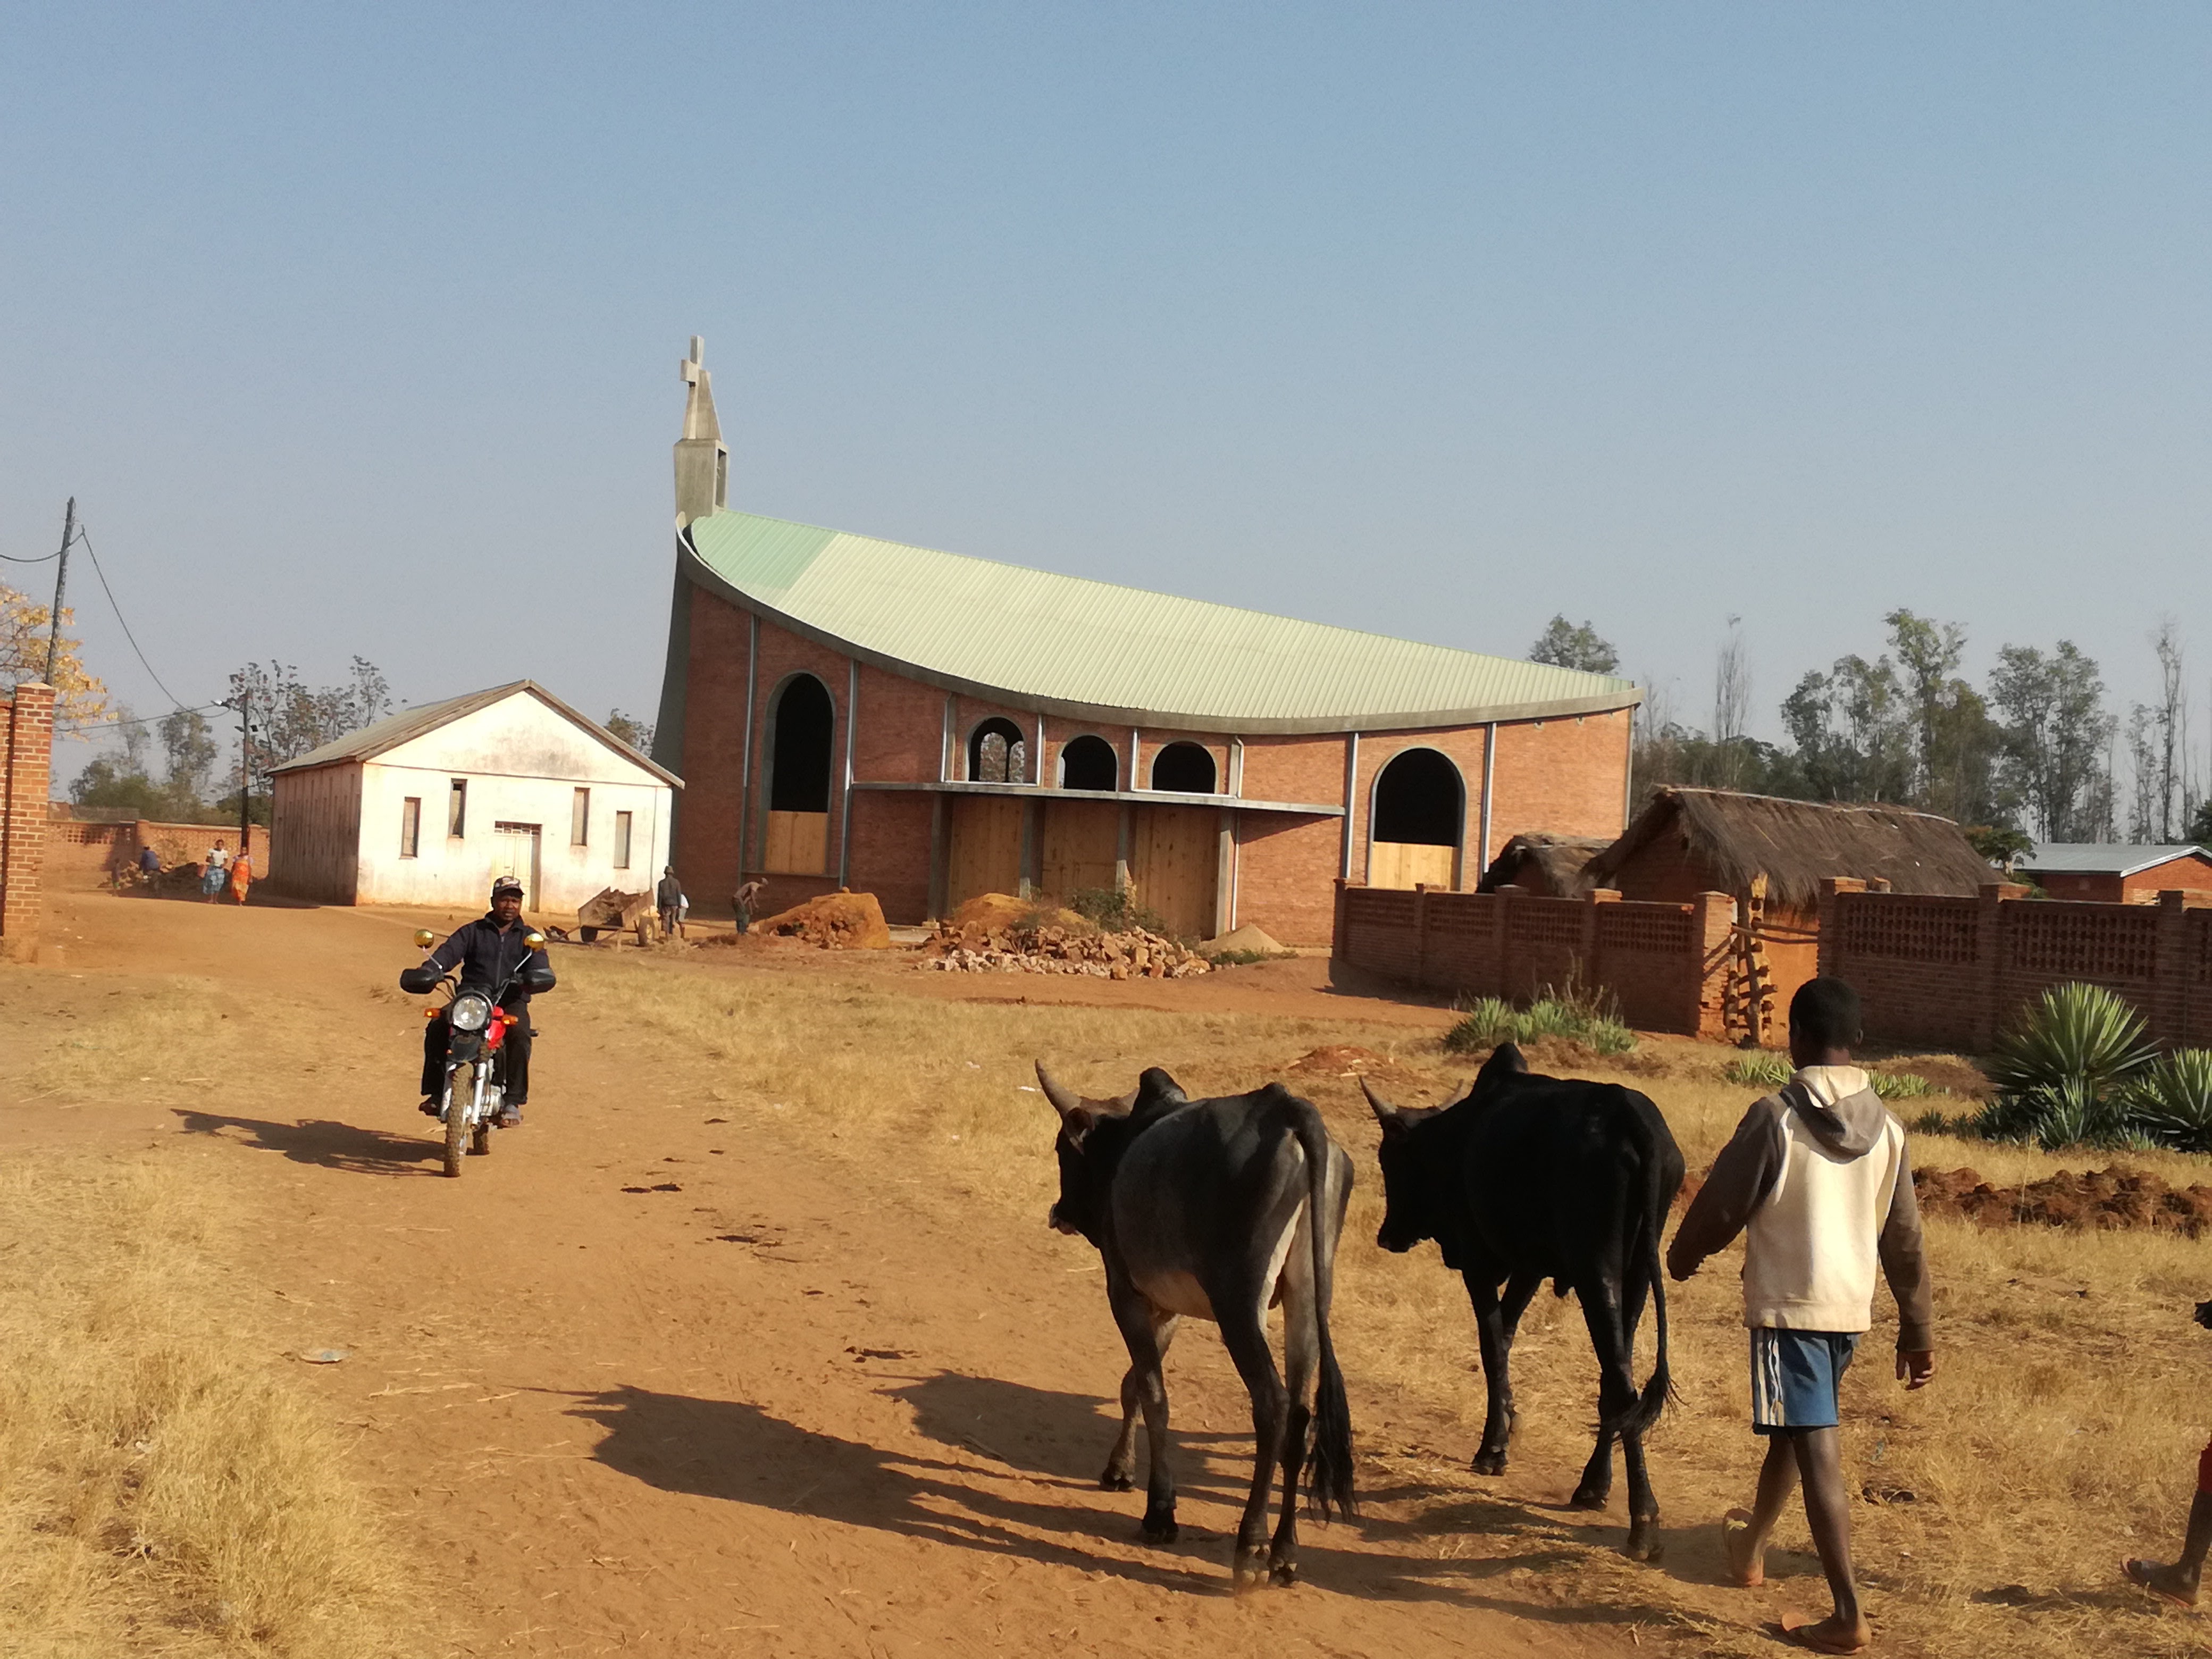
1329,1479
1648,1224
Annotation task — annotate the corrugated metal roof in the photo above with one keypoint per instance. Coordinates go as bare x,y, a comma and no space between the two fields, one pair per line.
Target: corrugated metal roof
2093,858
393,730
1094,650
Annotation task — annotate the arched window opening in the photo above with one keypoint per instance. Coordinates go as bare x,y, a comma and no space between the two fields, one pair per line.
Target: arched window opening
1420,800
1089,762
803,721
998,753
1184,768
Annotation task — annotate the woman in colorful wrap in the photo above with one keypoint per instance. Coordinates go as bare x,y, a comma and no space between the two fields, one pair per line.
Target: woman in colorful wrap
241,875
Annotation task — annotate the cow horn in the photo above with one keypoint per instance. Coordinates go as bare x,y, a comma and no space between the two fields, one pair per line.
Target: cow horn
1064,1100
1384,1111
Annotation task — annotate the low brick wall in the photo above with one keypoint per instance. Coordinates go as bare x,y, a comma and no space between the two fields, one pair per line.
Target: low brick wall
83,852
1664,963
1952,973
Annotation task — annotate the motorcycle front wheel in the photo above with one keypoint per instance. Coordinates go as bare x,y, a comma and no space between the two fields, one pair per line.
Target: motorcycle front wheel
460,1084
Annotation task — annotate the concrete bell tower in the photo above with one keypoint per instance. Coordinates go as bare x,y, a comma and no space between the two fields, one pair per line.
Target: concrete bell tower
703,460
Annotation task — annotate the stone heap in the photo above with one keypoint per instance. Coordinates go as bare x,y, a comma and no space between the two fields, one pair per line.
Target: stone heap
1134,955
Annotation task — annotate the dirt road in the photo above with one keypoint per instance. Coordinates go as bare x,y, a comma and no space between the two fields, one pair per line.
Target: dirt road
643,1382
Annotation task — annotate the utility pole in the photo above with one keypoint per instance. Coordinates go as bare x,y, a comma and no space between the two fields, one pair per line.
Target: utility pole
61,581
245,770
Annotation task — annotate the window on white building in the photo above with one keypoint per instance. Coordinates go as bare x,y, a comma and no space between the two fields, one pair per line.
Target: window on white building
580,820
621,840
457,811
410,826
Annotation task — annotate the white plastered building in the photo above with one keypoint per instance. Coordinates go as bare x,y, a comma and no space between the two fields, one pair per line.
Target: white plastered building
428,807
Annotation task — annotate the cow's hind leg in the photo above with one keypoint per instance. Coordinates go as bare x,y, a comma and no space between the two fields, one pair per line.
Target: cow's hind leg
1643,1503
1301,1364
1495,1323
1143,1327
1121,1472
1616,1395
1244,1333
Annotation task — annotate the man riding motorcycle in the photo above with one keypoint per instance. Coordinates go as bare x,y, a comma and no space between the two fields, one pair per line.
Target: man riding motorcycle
487,951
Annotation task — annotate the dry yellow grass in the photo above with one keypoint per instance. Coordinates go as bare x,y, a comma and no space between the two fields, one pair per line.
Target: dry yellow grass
178,1036
162,1490
2060,1434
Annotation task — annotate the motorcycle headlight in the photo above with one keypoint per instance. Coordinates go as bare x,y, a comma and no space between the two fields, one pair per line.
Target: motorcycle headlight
470,1013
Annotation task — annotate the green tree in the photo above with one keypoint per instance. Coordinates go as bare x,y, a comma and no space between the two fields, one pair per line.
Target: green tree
2055,731
1566,645
189,743
1852,728
286,717
637,733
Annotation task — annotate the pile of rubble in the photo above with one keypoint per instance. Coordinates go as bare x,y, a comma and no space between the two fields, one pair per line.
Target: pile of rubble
1055,949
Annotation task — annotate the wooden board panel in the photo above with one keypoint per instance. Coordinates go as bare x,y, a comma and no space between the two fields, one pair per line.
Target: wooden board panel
1407,863
798,844
1175,862
985,854
1082,841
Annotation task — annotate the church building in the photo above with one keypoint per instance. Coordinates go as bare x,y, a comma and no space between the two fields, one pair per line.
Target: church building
851,712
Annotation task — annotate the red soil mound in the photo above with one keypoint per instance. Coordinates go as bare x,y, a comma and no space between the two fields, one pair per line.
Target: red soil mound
838,921
2097,1199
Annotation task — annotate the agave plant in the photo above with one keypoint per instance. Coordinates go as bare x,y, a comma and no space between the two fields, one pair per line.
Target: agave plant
2062,1074
2172,1101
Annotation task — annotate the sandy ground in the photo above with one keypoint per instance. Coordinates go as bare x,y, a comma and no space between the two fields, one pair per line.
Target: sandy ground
764,1405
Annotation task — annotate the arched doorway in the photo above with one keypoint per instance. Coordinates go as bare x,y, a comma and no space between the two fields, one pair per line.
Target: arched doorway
1184,768
802,723
998,753
1420,812
1089,762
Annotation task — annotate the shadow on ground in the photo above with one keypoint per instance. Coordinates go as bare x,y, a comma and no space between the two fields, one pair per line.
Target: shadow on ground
322,1141
729,1450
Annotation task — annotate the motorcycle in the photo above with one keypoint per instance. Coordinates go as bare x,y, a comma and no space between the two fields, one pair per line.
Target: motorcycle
474,1089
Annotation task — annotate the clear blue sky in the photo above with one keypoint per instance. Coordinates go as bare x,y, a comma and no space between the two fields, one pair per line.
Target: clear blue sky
354,330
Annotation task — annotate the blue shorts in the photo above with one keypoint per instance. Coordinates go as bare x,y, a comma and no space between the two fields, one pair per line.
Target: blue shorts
1794,1376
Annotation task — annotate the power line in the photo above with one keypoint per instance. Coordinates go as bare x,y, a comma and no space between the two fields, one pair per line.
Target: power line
117,610
43,558
140,720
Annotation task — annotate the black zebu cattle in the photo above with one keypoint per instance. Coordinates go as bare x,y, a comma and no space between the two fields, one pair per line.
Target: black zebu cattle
1216,1209
1528,1178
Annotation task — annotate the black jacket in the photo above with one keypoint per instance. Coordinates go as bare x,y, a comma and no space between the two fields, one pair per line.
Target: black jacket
486,957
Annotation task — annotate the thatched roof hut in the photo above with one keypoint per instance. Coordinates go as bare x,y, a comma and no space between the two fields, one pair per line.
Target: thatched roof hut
1540,862
1692,841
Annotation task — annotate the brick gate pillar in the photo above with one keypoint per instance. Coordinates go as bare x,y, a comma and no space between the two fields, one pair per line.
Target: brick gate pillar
25,770
1712,937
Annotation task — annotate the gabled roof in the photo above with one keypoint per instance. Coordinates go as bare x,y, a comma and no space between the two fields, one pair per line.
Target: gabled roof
409,724
1794,843
2094,857
1092,650
1560,859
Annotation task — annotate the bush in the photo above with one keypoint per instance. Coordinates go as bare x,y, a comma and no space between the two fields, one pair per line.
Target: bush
2065,1075
1764,1069
1576,1015
1116,911
2171,1102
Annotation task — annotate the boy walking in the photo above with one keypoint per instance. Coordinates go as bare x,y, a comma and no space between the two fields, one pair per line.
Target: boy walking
1818,1177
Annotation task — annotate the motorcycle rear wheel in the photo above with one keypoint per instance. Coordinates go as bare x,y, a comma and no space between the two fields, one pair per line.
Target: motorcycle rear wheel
461,1085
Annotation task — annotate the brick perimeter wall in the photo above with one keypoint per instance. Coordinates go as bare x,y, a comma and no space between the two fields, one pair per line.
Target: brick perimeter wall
27,748
1954,973
80,852
1664,963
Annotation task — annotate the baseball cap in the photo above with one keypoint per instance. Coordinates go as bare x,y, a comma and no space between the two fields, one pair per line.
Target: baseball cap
505,884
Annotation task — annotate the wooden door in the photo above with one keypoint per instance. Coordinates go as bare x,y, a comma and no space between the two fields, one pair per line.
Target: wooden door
514,852
1407,863
798,844
985,850
1176,864
1082,844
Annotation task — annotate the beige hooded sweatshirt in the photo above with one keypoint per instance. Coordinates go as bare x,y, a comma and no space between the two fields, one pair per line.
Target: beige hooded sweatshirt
1817,1176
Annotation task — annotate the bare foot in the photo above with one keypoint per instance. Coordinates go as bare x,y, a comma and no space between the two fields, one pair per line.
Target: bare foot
2169,1583
1746,1566
1831,1635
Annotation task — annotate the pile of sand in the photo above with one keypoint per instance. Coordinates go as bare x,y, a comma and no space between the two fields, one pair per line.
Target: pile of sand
2100,1199
999,913
835,921
1256,940
1134,954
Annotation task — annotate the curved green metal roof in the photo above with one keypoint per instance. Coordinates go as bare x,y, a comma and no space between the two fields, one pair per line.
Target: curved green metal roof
1095,650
